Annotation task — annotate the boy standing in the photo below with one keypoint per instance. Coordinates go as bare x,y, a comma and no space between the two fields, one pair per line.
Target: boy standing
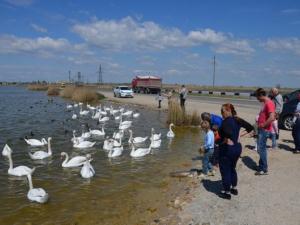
207,149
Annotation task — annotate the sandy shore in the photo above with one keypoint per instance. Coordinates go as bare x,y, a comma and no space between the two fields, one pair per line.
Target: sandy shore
262,200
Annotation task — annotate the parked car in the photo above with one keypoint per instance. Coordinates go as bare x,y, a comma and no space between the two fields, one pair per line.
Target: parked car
123,91
289,106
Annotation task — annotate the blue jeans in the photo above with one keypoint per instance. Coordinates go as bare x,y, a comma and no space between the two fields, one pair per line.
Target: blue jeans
263,136
273,138
206,165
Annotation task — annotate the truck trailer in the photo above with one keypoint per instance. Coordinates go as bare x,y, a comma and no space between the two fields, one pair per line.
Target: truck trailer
146,84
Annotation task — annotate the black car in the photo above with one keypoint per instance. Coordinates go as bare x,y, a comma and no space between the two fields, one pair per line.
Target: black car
289,107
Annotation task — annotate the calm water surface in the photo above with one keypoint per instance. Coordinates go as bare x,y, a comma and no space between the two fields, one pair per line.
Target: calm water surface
123,191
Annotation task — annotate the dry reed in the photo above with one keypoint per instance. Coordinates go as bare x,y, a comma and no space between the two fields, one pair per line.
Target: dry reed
53,91
37,87
180,117
67,92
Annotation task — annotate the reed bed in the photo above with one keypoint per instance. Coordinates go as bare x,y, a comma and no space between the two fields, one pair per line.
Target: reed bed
180,117
53,91
81,94
37,87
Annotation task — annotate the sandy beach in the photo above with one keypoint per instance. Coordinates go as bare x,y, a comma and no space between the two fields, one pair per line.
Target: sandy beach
262,200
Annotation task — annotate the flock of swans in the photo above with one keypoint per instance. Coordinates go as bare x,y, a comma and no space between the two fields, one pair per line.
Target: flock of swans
113,145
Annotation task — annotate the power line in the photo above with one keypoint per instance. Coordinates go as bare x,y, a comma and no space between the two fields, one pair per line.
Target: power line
100,78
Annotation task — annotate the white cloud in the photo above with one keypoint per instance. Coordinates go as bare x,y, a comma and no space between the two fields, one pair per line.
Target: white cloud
290,11
38,28
20,2
131,34
283,44
41,45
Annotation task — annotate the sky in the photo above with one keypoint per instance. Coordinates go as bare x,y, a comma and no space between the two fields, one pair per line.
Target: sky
256,43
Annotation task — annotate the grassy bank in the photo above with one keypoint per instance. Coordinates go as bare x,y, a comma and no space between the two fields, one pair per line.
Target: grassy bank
37,87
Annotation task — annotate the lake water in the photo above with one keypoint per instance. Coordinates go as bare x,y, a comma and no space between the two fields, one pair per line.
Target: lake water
123,191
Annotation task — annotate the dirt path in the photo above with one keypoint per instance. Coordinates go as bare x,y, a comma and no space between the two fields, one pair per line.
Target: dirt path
262,200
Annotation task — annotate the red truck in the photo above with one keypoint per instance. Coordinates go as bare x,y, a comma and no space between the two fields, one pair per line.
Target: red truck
146,84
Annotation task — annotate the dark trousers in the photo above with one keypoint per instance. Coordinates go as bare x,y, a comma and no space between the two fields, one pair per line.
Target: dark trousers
229,156
182,102
296,134
159,104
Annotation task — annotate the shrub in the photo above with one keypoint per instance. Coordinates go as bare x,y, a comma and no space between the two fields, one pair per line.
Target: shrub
54,91
180,117
83,94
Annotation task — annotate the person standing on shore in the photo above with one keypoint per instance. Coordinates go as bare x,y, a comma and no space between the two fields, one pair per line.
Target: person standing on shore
296,127
265,120
182,96
278,101
159,98
230,148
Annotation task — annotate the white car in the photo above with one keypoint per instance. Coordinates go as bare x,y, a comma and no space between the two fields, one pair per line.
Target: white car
123,91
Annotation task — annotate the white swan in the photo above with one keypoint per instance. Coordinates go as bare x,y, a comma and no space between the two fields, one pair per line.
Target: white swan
118,143
126,122
69,106
117,117
83,144
96,115
127,113
136,140
98,132
87,171
156,144
83,112
140,152
136,115
80,103
36,194
73,162
108,144
113,111
75,105
42,154
124,126
155,137
118,135
19,170
115,152
103,119
103,113
6,150
35,142
80,139
85,135
74,116
170,133
90,107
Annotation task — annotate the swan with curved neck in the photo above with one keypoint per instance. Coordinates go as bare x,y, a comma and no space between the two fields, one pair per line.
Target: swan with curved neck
42,154
171,133
108,144
83,144
87,171
83,112
35,142
136,140
6,150
73,162
19,170
36,194
155,137
115,152
98,132
140,152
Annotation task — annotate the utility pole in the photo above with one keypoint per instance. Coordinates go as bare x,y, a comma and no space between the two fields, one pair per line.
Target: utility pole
69,76
100,78
214,74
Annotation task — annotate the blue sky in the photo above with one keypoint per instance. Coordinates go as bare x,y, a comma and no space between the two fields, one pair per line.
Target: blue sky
255,42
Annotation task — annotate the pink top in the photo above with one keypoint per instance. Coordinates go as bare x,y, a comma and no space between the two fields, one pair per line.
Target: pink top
268,107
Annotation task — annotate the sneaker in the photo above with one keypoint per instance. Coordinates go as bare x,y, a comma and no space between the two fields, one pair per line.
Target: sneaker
234,191
225,195
202,176
259,173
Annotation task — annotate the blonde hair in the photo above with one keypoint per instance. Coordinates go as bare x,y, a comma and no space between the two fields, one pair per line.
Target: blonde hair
205,125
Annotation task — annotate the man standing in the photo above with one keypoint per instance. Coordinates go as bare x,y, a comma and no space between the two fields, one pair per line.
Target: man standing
265,119
278,101
182,95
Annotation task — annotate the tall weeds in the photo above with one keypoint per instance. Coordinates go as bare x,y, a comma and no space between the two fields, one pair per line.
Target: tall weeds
180,117
37,87
53,91
81,94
